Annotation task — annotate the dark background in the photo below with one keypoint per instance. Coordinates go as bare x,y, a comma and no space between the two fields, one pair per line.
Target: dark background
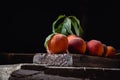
24,28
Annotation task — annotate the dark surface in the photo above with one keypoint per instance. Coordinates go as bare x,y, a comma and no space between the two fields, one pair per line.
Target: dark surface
43,72
14,58
82,73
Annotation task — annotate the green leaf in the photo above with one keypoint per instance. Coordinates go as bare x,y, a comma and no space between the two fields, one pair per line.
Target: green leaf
63,31
59,28
67,25
47,39
76,25
54,23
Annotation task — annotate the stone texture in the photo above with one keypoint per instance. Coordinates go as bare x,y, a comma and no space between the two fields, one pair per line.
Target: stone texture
31,71
36,75
53,59
6,70
63,67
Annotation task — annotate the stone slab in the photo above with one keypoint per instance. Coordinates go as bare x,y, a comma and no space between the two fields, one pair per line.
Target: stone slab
33,72
6,70
76,60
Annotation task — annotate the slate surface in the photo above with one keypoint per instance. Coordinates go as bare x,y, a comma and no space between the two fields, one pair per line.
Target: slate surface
30,71
6,70
82,67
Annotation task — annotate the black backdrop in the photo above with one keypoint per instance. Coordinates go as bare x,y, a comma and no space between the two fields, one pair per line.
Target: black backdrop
24,29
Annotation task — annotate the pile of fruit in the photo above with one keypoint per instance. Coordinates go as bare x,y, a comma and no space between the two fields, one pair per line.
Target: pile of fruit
66,37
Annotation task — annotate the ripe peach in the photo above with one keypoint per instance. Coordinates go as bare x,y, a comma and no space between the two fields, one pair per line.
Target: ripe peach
105,49
110,51
58,43
76,44
95,47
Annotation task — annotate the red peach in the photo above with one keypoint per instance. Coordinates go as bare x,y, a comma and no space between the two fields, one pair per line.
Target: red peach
95,47
76,44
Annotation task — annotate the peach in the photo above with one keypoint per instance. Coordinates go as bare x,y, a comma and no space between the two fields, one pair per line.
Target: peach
76,44
105,49
58,43
95,47
110,51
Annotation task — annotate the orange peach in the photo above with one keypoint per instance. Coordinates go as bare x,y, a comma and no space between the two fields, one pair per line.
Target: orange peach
58,43
95,47
76,44
110,51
